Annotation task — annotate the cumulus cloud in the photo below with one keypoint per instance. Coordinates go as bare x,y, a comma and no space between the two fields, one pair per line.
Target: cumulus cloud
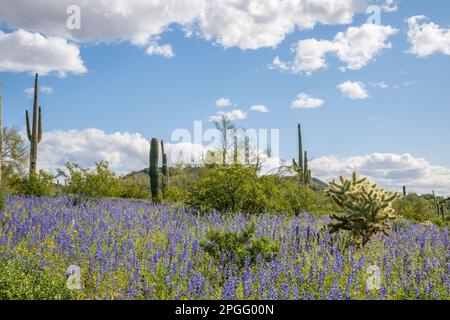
355,48
165,50
427,38
232,115
305,101
391,171
125,152
223,102
354,90
23,51
247,24
259,108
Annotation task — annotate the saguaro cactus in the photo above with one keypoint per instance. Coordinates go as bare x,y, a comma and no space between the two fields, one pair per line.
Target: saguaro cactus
34,133
154,169
404,191
300,146
165,169
301,167
305,170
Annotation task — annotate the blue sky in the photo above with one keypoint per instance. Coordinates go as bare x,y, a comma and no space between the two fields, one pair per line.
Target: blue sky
124,89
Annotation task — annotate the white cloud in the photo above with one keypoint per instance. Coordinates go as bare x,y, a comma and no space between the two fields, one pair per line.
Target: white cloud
223,102
380,84
427,38
389,6
353,90
305,101
43,89
247,24
355,48
165,50
389,170
23,51
124,151
259,108
232,115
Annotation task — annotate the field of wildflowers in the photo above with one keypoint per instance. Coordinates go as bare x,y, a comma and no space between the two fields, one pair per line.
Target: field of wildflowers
135,250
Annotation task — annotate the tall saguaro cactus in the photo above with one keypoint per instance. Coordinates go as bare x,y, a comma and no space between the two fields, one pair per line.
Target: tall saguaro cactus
301,167
300,146
165,169
34,133
154,169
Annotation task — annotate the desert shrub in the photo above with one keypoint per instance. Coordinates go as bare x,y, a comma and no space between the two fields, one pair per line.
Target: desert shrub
40,184
82,184
130,190
239,247
175,195
414,207
237,187
287,196
228,188
367,209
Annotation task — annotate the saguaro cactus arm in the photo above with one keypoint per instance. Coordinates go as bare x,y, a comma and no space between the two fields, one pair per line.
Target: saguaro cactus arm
27,116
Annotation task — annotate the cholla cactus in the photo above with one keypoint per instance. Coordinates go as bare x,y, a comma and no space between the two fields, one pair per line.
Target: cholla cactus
367,208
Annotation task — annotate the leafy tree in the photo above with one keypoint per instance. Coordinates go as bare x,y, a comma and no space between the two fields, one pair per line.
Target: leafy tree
14,153
225,127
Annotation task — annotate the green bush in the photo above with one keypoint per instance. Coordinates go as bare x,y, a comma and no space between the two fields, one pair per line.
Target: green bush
228,188
414,207
40,185
239,188
82,185
239,247
285,195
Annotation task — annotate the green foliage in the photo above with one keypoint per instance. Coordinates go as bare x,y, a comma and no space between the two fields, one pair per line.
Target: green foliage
238,187
228,188
367,208
239,247
40,185
154,169
13,153
176,195
82,184
30,281
414,207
